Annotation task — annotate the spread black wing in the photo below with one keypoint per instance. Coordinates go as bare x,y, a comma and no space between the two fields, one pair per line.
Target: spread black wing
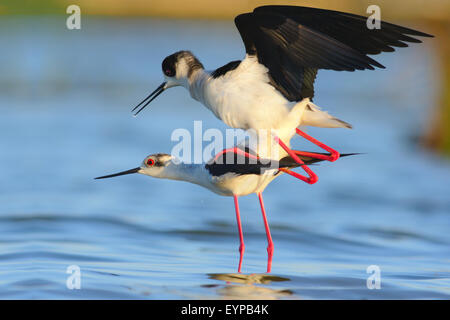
294,42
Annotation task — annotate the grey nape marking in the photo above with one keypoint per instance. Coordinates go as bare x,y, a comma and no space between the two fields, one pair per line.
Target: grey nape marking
192,62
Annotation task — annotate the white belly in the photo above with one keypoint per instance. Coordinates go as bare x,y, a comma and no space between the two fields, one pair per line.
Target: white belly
230,184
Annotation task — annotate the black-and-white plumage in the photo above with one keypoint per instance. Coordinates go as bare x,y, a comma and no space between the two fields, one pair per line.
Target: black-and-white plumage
230,66
239,164
285,47
230,174
273,86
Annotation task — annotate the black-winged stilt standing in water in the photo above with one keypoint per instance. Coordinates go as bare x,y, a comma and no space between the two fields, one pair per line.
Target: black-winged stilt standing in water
285,47
232,173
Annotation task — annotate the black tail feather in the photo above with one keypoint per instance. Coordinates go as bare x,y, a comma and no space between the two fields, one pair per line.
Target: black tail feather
289,162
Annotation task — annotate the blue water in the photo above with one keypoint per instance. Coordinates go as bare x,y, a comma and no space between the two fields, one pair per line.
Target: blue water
65,100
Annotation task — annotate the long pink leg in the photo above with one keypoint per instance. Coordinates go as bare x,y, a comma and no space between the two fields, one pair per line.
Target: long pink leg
334,155
269,237
312,176
241,236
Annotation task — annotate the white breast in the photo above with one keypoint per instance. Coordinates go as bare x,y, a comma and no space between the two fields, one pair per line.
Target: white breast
243,98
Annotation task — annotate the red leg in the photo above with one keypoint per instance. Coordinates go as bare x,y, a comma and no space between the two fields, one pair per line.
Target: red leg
334,155
314,155
312,176
241,236
237,151
269,237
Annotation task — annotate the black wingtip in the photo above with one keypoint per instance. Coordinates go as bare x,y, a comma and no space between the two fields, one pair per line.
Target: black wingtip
373,63
417,33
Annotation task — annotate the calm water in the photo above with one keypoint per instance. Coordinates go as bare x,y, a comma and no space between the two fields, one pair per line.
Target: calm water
65,99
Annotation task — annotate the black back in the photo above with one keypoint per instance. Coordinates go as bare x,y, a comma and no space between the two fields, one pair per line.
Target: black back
232,162
224,69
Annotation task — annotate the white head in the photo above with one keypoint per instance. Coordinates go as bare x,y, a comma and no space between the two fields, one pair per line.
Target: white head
178,69
154,165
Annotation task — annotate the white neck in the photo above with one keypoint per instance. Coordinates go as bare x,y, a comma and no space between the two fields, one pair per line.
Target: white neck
196,84
193,173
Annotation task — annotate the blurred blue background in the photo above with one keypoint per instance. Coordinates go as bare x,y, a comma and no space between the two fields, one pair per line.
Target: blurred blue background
65,100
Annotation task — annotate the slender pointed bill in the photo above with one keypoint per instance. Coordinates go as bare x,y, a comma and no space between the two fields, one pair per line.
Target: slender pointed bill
135,170
150,97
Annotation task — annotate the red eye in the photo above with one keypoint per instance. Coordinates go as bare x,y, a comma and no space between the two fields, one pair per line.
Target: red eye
169,73
150,162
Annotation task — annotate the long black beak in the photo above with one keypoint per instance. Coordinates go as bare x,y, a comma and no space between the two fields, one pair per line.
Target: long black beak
152,96
120,173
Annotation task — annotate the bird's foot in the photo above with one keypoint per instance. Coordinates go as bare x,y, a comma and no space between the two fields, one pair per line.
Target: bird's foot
333,156
327,157
312,177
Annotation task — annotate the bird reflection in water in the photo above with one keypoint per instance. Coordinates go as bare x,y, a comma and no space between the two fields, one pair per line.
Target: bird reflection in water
246,286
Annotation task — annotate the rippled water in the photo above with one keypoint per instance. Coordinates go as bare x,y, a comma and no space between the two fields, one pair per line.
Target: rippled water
65,118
